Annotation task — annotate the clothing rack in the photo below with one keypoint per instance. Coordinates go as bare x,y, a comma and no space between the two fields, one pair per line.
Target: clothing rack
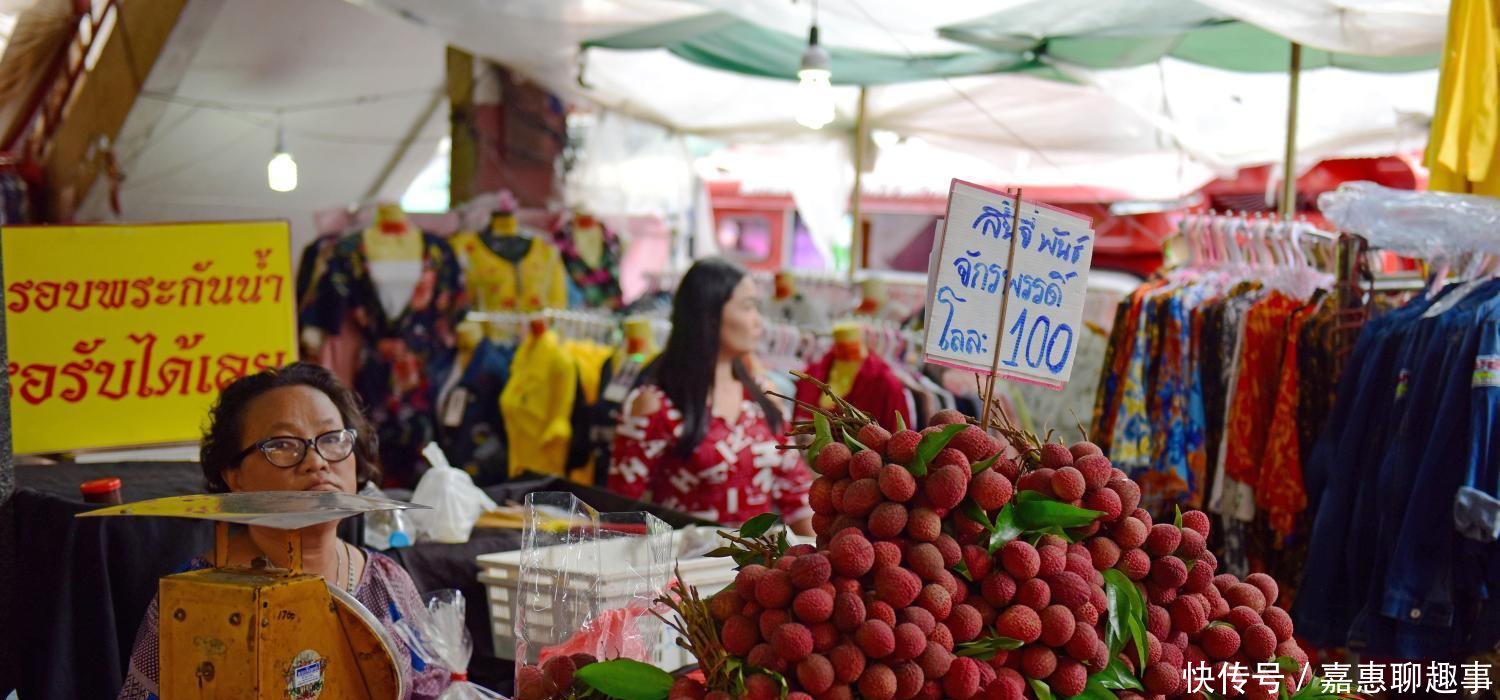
597,326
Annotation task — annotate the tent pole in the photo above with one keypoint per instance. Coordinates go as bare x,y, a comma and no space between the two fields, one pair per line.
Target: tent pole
856,238
1288,205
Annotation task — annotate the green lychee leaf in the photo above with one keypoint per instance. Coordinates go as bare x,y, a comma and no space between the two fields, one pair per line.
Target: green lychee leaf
781,543
852,443
1287,664
1094,690
975,513
1137,634
723,552
1116,676
822,437
1177,521
1041,690
984,464
1124,605
626,679
962,569
1035,512
987,647
933,443
1004,529
900,422
757,526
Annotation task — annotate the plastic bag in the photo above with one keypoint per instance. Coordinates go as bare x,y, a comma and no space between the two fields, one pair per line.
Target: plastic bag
442,639
588,582
456,502
1416,224
385,529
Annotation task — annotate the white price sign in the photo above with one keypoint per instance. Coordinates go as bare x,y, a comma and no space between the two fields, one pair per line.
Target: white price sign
1046,284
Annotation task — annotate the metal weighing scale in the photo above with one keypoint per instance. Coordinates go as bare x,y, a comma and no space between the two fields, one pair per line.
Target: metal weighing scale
260,631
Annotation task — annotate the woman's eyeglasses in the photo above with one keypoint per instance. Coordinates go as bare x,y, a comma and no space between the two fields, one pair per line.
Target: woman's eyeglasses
287,451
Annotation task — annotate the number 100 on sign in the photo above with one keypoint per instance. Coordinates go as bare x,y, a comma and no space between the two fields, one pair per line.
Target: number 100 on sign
974,273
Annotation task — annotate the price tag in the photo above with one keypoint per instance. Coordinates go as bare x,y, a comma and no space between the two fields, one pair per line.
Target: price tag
973,271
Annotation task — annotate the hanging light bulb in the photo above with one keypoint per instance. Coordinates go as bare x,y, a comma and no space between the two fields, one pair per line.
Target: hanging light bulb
281,172
814,85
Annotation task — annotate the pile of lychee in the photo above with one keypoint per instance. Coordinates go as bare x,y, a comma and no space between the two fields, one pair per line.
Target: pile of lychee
552,680
906,594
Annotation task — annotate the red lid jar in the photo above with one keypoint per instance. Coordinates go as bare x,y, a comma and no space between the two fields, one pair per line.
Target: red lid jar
106,490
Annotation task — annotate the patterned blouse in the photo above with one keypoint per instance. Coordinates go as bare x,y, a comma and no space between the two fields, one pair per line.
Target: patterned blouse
383,587
600,285
736,473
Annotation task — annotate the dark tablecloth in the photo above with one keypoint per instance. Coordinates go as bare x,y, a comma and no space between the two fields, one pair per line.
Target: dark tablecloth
85,583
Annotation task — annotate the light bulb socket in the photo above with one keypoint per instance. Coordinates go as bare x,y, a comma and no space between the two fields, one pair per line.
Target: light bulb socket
814,59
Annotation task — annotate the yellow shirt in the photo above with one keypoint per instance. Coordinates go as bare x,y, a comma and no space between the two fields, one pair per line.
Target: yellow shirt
1463,151
537,281
590,357
537,406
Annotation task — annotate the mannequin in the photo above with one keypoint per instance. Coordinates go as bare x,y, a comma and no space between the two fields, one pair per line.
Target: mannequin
786,286
393,257
509,269
871,297
505,237
787,305
588,236
640,341
591,255
848,356
637,351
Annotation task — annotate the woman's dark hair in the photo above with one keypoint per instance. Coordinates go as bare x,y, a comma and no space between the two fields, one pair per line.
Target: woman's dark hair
222,438
684,370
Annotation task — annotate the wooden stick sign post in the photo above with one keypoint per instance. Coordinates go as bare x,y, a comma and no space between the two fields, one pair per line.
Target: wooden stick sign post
1017,267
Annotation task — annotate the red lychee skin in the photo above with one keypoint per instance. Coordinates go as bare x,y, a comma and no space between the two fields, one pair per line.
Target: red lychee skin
1038,662
974,443
1105,552
848,663
532,684
910,641
896,483
739,635
897,586
1169,572
851,555
1247,595
724,605
785,562
1019,622
751,610
1266,584
998,589
825,637
902,447
888,520
968,531
761,687
962,679
977,559
1162,541
1039,480
1220,641
770,620
1020,560
833,458
1158,621
1051,560
1258,643
1097,598
990,490
881,610
685,688
1188,617
866,464
949,457
1055,456
1217,606
848,611
878,682
837,692
1279,622
1163,679
952,553
1058,625
793,641
836,495
813,605
919,616
822,524
1034,593
774,590
861,497
1069,589
1068,484
819,496
1008,685
1087,614
1160,595
1080,562
1007,468
873,436
965,623
1095,470
942,636
987,612
746,578
876,639
936,600
815,673
1069,679
1197,521
1129,491
923,524
909,680
1192,546
1200,578
559,670
934,660
925,560
887,552
1081,646
1130,533
1135,564
1105,501
945,486
811,571
947,416
1223,582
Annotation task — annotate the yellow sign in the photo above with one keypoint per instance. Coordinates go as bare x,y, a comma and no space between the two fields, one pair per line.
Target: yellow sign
122,335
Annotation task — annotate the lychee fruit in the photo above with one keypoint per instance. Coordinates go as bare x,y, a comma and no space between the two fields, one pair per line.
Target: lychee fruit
1069,679
1087,614
811,571
949,457
1130,533
896,483
1053,559
998,589
978,561
1068,484
760,686
1200,577
923,524
774,590
1135,564
873,436
834,458
947,416
897,586
861,497
888,520
942,637
739,635
1197,521
965,623
934,660
1038,662
1083,643
1162,678
887,552
910,641
850,554
1019,622
936,600
1039,480
1020,559
686,688
1055,456
876,638
1069,589
881,610
974,443
819,496
1169,572
866,464
919,616
1247,595
724,605
559,671
532,684
1192,546
813,605
990,490
1130,494
1258,642
793,641
1095,470
1105,501
815,674
1058,625
946,486
878,682
901,448
962,680
1266,584
1188,616
952,553
848,663
1220,641
1279,622
1104,551
1158,621
909,680
1162,540
1034,593
1160,595
825,636
925,560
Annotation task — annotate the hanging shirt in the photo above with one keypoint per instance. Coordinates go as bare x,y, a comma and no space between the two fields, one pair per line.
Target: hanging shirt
1250,413
736,473
595,270
401,352
470,428
1278,487
536,281
537,405
876,390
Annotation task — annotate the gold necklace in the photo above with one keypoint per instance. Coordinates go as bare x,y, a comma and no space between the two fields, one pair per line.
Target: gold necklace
349,563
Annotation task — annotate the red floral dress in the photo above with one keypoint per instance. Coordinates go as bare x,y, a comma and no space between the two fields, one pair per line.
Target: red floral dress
735,474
